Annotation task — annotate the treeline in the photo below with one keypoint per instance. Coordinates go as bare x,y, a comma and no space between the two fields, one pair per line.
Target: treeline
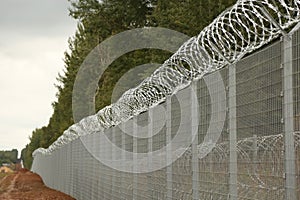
98,21
8,157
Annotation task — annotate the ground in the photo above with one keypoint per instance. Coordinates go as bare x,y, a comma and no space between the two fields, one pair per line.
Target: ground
25,185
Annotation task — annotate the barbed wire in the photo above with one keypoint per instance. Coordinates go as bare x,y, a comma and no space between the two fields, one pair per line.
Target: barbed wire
265,173
240,30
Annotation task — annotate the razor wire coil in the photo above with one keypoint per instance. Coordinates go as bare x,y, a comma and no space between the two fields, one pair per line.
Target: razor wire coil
241,29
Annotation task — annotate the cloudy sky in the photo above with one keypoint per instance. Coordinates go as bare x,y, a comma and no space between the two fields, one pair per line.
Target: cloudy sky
33,38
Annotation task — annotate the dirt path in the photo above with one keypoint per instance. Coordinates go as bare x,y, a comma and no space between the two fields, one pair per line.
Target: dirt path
10,188
25,185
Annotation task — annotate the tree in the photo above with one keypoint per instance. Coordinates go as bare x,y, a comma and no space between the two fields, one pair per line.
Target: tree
8,156
98,21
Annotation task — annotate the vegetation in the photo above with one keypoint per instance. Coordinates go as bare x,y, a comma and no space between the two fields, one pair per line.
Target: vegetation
8,157
98,21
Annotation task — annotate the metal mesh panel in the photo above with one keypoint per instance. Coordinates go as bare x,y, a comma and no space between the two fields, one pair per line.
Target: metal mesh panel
142,147
296,78
259,93
259,114
158,178
181,168
213,168
296,100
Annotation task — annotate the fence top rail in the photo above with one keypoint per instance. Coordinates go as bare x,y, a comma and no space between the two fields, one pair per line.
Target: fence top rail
239,30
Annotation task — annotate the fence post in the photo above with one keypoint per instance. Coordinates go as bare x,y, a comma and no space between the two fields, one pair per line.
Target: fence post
135,164
169,147
290,172
233,193
195,159
123,174
113,157
255,153
150,150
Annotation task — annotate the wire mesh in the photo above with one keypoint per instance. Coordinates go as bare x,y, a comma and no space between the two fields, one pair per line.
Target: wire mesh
260,169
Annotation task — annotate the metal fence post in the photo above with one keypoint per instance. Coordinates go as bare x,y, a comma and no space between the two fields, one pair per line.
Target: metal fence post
113,156
150,149
290,172
233,193
195,160
135,164
169,148
123,174
255,153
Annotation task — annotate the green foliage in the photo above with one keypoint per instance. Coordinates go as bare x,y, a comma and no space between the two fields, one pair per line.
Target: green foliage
8,156
188,16
98,21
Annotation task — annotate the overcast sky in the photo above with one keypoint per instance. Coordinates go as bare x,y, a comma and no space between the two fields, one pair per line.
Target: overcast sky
33,38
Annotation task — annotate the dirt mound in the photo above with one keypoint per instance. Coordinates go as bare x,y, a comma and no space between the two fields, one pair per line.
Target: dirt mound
25,185
23,170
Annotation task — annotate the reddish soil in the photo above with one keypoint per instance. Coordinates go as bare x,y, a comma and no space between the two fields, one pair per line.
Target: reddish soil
25,185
